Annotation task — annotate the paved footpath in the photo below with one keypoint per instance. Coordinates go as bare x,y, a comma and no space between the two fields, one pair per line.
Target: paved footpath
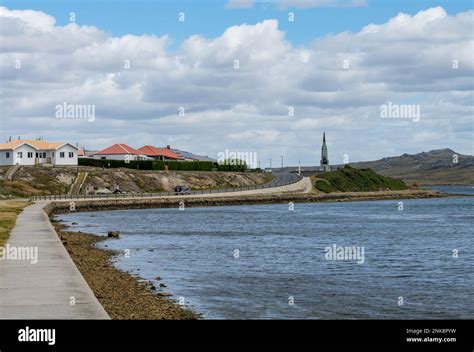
46,289
302,186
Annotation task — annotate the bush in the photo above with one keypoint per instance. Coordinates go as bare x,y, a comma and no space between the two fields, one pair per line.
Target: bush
349,179
324,186
149,164
189,165
234,168
232,164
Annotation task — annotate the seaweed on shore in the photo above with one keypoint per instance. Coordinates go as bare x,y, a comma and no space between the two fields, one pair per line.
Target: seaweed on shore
122,295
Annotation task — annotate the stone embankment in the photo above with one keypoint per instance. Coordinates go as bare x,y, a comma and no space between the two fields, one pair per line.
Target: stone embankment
188,201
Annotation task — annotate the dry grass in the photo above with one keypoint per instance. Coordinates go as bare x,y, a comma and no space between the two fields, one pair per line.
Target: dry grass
31,180
9,210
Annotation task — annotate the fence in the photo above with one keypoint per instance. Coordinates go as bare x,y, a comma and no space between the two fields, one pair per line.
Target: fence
272,184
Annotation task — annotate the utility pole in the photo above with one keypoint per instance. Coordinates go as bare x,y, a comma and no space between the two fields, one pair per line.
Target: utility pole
281,156
270,163
299,167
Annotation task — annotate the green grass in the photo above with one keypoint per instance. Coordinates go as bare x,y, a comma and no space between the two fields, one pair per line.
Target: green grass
349,179
324,186
268,178
17,189
9,210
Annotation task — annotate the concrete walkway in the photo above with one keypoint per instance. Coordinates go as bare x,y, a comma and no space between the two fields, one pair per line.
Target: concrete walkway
46,289
302,186
308,186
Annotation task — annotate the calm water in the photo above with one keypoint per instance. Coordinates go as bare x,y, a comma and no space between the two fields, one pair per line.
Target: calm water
254,261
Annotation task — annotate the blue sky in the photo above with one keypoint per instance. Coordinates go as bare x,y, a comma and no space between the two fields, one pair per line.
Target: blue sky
210,18
297,66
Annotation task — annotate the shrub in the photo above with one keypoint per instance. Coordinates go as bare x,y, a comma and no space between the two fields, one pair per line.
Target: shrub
349,179
324,186
235,168
149,164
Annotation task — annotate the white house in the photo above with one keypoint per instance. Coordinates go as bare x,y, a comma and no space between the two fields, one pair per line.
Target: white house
34,152
120,152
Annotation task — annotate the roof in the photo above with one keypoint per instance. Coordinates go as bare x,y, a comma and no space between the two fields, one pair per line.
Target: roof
192,156
118,149
150,150
36,144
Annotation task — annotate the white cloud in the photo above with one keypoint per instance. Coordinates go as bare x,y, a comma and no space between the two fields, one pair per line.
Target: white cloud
240,4
28,19
409,59
306,4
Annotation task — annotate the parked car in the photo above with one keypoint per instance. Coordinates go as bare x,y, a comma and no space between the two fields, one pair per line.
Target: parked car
181,190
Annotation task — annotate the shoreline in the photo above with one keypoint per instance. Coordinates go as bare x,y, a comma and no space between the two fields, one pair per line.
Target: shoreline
61,207
127,296
123,296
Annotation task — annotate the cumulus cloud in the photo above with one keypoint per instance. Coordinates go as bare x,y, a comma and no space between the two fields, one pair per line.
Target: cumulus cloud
247,88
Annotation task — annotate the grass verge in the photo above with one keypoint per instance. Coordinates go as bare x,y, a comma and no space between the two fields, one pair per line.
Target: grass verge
9,210
349,179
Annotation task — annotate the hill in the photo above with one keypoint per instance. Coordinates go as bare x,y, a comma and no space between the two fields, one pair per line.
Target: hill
31,180
349,179
193,156
433,167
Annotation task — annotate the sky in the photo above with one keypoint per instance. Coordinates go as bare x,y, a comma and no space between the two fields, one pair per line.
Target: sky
258,76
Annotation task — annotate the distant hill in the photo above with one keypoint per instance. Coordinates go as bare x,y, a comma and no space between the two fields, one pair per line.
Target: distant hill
193,156
349,179
433,167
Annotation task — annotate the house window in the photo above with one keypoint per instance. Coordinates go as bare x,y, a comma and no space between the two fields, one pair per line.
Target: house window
36,155
8,155
19,155
61,154
30,155
71,154
53,154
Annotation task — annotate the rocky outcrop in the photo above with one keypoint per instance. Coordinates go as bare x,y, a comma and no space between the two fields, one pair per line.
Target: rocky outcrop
113,234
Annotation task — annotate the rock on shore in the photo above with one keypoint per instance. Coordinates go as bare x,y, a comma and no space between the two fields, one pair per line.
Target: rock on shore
122,295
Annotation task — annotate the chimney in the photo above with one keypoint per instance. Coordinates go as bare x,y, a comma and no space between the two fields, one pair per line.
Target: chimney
168,147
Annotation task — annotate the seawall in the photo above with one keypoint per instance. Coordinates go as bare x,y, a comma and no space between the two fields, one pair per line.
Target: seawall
56,207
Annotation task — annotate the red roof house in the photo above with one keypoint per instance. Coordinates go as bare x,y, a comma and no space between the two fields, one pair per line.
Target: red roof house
160,153
119,152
